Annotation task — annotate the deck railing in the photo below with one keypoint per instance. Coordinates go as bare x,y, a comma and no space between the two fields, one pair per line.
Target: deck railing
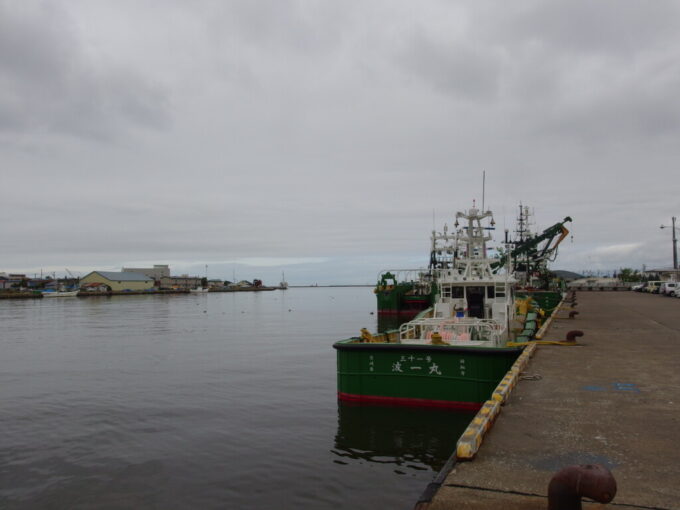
453,330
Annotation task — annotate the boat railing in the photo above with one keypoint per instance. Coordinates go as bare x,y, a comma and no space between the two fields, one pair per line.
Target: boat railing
405,275
468,271
456,330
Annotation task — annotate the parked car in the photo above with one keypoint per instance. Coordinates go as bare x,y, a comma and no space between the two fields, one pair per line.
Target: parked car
653,286
666,288
640,287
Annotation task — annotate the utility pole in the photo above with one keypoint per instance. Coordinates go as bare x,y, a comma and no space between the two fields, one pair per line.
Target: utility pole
675,247
675,243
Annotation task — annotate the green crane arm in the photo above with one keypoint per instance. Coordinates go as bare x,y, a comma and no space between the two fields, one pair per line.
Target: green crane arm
530,247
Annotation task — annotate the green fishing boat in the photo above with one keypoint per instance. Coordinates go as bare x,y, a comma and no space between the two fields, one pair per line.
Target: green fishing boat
404,292
454,353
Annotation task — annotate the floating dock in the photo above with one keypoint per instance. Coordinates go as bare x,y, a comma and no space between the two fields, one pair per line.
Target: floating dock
614,399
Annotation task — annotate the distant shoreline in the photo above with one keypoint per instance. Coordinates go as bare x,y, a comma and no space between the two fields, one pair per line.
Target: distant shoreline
37,294
314,286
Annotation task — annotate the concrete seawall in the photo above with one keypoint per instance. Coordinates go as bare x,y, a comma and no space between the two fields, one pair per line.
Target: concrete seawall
614,400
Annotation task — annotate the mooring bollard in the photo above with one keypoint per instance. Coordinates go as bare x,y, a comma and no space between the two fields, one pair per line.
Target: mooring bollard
569,485
573,334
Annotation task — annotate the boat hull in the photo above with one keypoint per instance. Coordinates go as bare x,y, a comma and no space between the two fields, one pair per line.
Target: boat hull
396,300
546,299
70,293
420,375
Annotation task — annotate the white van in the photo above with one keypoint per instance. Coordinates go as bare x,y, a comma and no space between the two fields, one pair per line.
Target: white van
667,288
653,286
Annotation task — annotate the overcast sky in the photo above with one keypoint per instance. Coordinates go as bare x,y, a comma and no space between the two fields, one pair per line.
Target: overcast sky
318,137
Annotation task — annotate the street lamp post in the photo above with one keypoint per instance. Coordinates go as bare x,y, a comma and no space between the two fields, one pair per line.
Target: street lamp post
675,243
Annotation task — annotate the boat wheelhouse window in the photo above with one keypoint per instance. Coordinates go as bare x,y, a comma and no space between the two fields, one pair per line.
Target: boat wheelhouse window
446,291
457,293
475,301
500,290
490,292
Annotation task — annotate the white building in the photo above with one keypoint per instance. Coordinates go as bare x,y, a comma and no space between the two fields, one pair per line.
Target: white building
156,272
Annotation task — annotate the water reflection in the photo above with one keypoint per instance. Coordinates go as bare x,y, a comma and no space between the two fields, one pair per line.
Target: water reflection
409,438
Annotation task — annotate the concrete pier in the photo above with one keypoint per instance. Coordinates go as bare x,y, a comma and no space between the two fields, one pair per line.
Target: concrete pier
613,400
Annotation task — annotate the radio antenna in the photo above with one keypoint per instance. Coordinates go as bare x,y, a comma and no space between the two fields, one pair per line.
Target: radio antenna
483,187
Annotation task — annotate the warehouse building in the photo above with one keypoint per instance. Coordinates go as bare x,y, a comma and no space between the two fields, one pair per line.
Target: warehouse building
119,281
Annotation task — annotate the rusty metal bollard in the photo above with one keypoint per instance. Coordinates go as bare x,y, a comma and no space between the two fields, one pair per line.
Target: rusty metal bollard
573,334
569,485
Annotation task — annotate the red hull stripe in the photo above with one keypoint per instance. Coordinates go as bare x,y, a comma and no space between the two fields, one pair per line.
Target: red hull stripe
412,402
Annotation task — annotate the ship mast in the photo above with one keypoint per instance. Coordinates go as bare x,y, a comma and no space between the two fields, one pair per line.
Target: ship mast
473,262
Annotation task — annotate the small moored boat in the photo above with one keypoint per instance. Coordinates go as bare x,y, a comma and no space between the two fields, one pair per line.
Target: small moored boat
59,293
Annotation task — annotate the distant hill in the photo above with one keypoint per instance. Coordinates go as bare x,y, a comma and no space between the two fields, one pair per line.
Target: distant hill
567,275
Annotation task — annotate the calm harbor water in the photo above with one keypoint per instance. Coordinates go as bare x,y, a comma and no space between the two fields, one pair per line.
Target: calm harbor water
205,401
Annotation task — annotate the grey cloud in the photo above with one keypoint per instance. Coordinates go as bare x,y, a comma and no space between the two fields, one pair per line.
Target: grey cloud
595,72
51,84
617,120
282,25
328,129
615,27
453,67
273,43
643,104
